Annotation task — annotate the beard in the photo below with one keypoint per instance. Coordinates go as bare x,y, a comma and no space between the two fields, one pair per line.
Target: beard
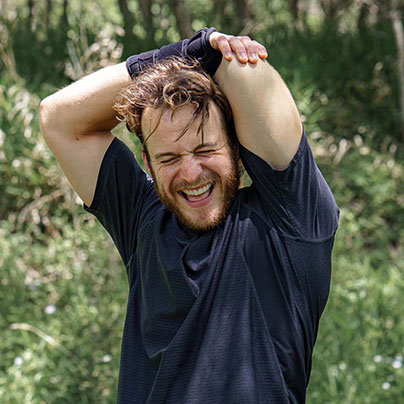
208,217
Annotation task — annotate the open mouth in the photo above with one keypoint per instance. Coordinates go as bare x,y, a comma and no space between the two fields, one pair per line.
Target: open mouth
197,195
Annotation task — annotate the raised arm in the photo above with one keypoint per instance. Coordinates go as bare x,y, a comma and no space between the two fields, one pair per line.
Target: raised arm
76,123
265,115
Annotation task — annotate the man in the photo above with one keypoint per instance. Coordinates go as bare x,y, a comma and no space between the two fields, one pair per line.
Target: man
226,286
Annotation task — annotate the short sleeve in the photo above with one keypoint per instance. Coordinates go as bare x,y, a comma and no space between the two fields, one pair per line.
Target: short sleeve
123,194
298,200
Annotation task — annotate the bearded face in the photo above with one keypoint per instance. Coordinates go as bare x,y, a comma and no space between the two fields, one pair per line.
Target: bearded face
195,177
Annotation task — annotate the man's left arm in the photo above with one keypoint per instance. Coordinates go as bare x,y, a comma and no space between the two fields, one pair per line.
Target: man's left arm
265,115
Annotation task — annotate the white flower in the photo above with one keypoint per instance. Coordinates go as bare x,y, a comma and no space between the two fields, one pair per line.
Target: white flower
377,358
16,163
396,364
106,358
386,385
50,309
18,361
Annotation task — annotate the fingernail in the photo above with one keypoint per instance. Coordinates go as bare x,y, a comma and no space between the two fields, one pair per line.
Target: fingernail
243,55
253,56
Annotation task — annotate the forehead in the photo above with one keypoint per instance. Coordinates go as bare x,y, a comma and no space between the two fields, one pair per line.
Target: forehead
168,129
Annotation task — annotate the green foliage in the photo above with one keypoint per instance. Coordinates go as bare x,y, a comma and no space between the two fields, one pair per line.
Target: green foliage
62,284
347,76
62,311
361,333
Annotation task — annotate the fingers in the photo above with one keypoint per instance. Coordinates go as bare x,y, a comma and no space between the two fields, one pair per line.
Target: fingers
242,47
258,51
253,49
222,44
262,51
239,46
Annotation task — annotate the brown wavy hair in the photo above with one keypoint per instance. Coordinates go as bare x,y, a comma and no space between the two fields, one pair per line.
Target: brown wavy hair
171,84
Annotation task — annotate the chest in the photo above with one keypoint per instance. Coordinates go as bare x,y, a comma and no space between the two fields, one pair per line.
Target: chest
176,271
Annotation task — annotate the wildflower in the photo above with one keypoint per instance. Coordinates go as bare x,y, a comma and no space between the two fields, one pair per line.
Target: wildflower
18,361
50,309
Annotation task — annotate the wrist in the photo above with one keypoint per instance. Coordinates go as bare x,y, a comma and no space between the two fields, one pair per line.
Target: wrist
197,47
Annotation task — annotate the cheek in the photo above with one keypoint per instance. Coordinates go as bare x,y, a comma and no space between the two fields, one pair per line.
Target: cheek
221,165
165,177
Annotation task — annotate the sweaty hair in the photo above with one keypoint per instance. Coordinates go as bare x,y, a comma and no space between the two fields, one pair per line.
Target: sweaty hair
172,84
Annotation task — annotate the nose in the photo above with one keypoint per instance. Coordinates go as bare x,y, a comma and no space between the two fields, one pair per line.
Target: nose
190,169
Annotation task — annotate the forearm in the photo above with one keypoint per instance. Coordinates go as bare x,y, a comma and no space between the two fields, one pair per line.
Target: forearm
266,118
197,47
85,106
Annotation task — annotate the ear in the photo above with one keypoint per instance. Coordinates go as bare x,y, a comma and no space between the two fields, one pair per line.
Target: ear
146,163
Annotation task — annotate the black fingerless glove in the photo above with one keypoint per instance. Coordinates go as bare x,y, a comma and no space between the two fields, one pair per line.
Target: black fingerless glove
197,47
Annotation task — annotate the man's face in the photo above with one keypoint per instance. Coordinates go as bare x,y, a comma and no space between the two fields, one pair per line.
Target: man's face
195,180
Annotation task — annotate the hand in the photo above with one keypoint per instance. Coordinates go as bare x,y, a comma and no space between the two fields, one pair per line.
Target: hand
244,48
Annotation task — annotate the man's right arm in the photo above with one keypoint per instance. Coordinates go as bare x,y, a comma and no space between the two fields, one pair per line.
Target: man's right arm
76,123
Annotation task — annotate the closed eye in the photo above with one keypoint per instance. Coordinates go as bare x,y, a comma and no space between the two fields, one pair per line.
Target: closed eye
169,161
204,152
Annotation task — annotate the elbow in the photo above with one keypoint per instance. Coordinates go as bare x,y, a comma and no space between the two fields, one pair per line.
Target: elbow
46,117
43,112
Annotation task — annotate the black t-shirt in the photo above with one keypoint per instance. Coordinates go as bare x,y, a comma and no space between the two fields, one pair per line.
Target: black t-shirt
229,315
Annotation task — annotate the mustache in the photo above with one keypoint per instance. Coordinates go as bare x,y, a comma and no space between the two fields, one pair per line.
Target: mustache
203,179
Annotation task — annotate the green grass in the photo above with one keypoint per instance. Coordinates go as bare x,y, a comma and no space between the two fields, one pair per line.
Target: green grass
63,288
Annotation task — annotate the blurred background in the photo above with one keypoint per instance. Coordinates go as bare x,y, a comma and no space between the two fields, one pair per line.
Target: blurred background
63,288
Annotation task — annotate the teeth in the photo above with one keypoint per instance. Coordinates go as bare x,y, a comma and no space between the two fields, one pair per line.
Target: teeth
198,191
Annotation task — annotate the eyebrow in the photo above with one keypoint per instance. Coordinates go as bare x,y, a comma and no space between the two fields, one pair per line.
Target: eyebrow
212,145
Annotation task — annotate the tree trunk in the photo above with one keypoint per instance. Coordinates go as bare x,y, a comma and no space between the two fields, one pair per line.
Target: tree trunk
220,6
222,18
294,6
329,9
294,9
48,13
128,19
145,9
183,18
31,14
244,17
333,8
64,17
399,38
363,15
